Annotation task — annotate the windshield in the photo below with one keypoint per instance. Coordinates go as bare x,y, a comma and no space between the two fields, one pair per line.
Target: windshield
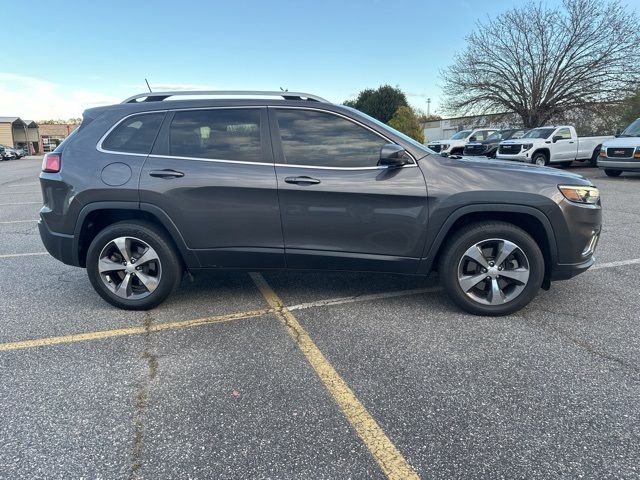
386,127
632,130
539,133
461,135
495,136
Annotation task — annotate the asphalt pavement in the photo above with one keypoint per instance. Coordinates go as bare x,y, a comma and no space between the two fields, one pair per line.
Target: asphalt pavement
316,375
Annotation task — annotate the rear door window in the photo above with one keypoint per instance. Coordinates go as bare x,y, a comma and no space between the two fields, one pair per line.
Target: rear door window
135,134
217,134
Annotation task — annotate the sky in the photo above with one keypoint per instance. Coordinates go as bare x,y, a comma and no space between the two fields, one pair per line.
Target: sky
59,58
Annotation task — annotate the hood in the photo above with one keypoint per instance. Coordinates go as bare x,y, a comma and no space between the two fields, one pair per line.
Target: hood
495,167
622,142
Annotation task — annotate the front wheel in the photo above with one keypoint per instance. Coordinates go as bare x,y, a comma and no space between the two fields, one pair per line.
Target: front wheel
612,173
540,159
133,265
492,268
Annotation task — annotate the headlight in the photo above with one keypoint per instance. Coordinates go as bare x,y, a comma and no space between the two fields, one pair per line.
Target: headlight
445,146
580,194
603,152
636,154
526,146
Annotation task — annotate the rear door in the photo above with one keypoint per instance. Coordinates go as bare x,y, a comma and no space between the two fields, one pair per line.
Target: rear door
211,171
340,210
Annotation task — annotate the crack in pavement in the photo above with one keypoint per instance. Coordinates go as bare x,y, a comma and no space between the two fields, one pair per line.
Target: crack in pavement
142,398
588,347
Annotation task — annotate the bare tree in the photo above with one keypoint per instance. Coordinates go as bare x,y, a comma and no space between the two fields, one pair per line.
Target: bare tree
541,62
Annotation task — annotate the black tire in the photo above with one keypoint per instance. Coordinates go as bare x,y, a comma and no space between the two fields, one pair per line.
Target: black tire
540,158
593,161
457,151
454,254
612,173
169,264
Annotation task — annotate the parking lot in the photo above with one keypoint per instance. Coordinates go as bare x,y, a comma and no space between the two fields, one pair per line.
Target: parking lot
316,375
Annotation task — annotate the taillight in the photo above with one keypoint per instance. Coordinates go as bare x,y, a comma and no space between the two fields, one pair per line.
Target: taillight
51,163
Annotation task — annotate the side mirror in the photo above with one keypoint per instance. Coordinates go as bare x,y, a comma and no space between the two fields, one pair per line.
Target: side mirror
556,138
472,139
392,155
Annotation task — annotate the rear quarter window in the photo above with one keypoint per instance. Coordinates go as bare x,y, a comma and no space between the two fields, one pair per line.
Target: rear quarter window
135,134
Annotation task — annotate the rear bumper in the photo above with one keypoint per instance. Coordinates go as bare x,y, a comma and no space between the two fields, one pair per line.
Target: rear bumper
59,245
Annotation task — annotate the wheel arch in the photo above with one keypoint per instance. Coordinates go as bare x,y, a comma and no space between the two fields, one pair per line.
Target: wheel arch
94,217
544,150
530,219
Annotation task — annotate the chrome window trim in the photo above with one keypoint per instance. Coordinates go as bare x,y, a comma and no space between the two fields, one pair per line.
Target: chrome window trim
242,162
388,140
216,160
114,126
165,110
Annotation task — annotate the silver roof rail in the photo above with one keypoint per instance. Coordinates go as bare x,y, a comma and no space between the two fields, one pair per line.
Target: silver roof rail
160,96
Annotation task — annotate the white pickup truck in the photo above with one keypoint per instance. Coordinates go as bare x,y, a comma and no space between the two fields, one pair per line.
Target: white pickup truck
455,145
545,145
622,154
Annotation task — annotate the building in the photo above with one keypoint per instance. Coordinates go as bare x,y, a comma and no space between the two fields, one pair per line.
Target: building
15,132
52,135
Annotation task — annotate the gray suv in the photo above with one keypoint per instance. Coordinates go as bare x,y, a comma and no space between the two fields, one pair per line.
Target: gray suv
160,185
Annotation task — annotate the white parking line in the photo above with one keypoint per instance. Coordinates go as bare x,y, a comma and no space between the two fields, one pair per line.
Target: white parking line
619,263
23,185
18,221
23,203
363,298
21,193
13,255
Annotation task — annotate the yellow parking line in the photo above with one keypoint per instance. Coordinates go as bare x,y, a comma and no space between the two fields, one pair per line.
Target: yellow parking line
391,461
120,332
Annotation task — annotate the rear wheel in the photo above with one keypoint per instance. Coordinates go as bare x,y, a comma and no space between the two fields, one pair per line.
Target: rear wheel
540,158
492,268
612,173
133,265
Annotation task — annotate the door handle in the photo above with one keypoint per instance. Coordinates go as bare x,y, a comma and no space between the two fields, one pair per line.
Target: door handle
166,173
302,180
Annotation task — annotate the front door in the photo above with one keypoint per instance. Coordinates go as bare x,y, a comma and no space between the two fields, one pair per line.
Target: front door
339,209
211,171
565,147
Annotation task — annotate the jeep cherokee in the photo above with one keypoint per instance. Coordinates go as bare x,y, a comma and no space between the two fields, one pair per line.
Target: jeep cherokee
160,184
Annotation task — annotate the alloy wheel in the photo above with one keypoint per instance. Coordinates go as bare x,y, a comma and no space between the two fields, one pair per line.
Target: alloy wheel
493,271
130,268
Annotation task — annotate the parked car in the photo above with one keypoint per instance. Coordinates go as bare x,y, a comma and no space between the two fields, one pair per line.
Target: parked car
7,153
489,146
455,145
143,190
560,145
622,154
21,152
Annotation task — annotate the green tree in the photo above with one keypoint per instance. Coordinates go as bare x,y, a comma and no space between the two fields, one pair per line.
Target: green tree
631,108
381,103
406,121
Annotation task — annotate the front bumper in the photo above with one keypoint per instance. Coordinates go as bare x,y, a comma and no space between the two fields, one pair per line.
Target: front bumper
520,157
565,271
59,245
628,165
